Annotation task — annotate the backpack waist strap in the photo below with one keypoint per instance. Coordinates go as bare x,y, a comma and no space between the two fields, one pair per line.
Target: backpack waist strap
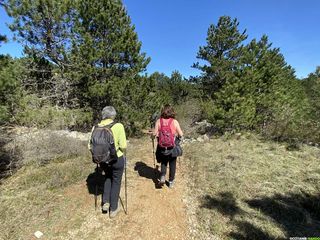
165,148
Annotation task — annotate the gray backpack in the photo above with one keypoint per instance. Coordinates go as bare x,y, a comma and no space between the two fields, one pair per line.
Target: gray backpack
103,148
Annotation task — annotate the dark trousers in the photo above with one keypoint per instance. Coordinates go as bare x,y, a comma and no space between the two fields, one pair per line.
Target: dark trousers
172,167
112,184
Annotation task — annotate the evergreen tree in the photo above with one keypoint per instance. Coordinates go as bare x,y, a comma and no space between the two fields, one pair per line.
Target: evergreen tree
174,89
221,54
107,52
43,27
248,86
311,85
162,86
268,80
180,88
11,71
89,51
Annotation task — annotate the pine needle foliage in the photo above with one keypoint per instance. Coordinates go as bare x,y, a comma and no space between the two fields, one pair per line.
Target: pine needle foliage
93,52
247,86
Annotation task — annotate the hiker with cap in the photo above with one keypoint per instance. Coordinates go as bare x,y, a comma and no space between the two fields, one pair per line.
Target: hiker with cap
114,167
167,130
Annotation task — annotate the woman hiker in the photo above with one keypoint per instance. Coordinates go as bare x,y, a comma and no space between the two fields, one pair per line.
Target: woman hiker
167,129
113,171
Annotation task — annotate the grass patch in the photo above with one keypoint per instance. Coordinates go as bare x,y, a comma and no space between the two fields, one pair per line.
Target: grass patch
38,148
246,188
34,198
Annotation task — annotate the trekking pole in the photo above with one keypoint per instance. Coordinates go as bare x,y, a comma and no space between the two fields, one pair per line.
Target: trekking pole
154,159
96,189
125,208
179,157
125,184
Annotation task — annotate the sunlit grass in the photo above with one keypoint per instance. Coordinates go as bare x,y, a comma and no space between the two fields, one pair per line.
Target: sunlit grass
34,197
251,189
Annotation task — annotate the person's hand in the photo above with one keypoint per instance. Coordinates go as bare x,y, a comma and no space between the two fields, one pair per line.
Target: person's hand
150,132
180,138
147,131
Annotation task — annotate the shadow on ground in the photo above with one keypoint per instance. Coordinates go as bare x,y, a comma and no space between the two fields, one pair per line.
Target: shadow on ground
297,215
148,172
225,203
95,182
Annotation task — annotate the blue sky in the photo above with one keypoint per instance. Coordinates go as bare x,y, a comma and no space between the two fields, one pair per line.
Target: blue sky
171,31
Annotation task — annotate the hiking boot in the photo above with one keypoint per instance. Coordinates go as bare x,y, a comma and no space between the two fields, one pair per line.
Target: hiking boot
162,180
105,207
170,184
114,213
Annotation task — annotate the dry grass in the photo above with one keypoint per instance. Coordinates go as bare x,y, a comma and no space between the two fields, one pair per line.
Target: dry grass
33,197
34,193
41,146
23,146
249,189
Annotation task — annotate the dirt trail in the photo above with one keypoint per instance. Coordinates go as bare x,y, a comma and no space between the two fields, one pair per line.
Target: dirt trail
152,213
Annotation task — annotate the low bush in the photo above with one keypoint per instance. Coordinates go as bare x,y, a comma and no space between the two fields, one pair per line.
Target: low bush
34,113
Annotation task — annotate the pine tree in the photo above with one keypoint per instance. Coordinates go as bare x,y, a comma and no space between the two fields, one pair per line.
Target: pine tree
248,85
180,87
11,71
162,86
93,51
311,86
43,27
107,53
222,52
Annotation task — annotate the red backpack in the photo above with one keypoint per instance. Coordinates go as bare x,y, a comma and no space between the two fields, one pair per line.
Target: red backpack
166,136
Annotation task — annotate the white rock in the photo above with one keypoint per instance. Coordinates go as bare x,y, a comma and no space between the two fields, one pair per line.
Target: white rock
38,234
200,139
205,137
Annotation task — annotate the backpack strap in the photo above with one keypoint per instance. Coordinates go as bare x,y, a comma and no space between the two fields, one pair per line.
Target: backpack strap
110,125
106,127
169,122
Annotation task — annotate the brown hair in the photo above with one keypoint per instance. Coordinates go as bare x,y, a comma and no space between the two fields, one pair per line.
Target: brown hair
168,112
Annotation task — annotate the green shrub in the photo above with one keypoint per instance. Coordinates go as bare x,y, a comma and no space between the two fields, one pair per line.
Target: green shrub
4,114
34,113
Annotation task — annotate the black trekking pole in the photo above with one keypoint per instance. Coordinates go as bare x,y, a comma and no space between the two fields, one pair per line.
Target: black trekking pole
125,185
96,188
